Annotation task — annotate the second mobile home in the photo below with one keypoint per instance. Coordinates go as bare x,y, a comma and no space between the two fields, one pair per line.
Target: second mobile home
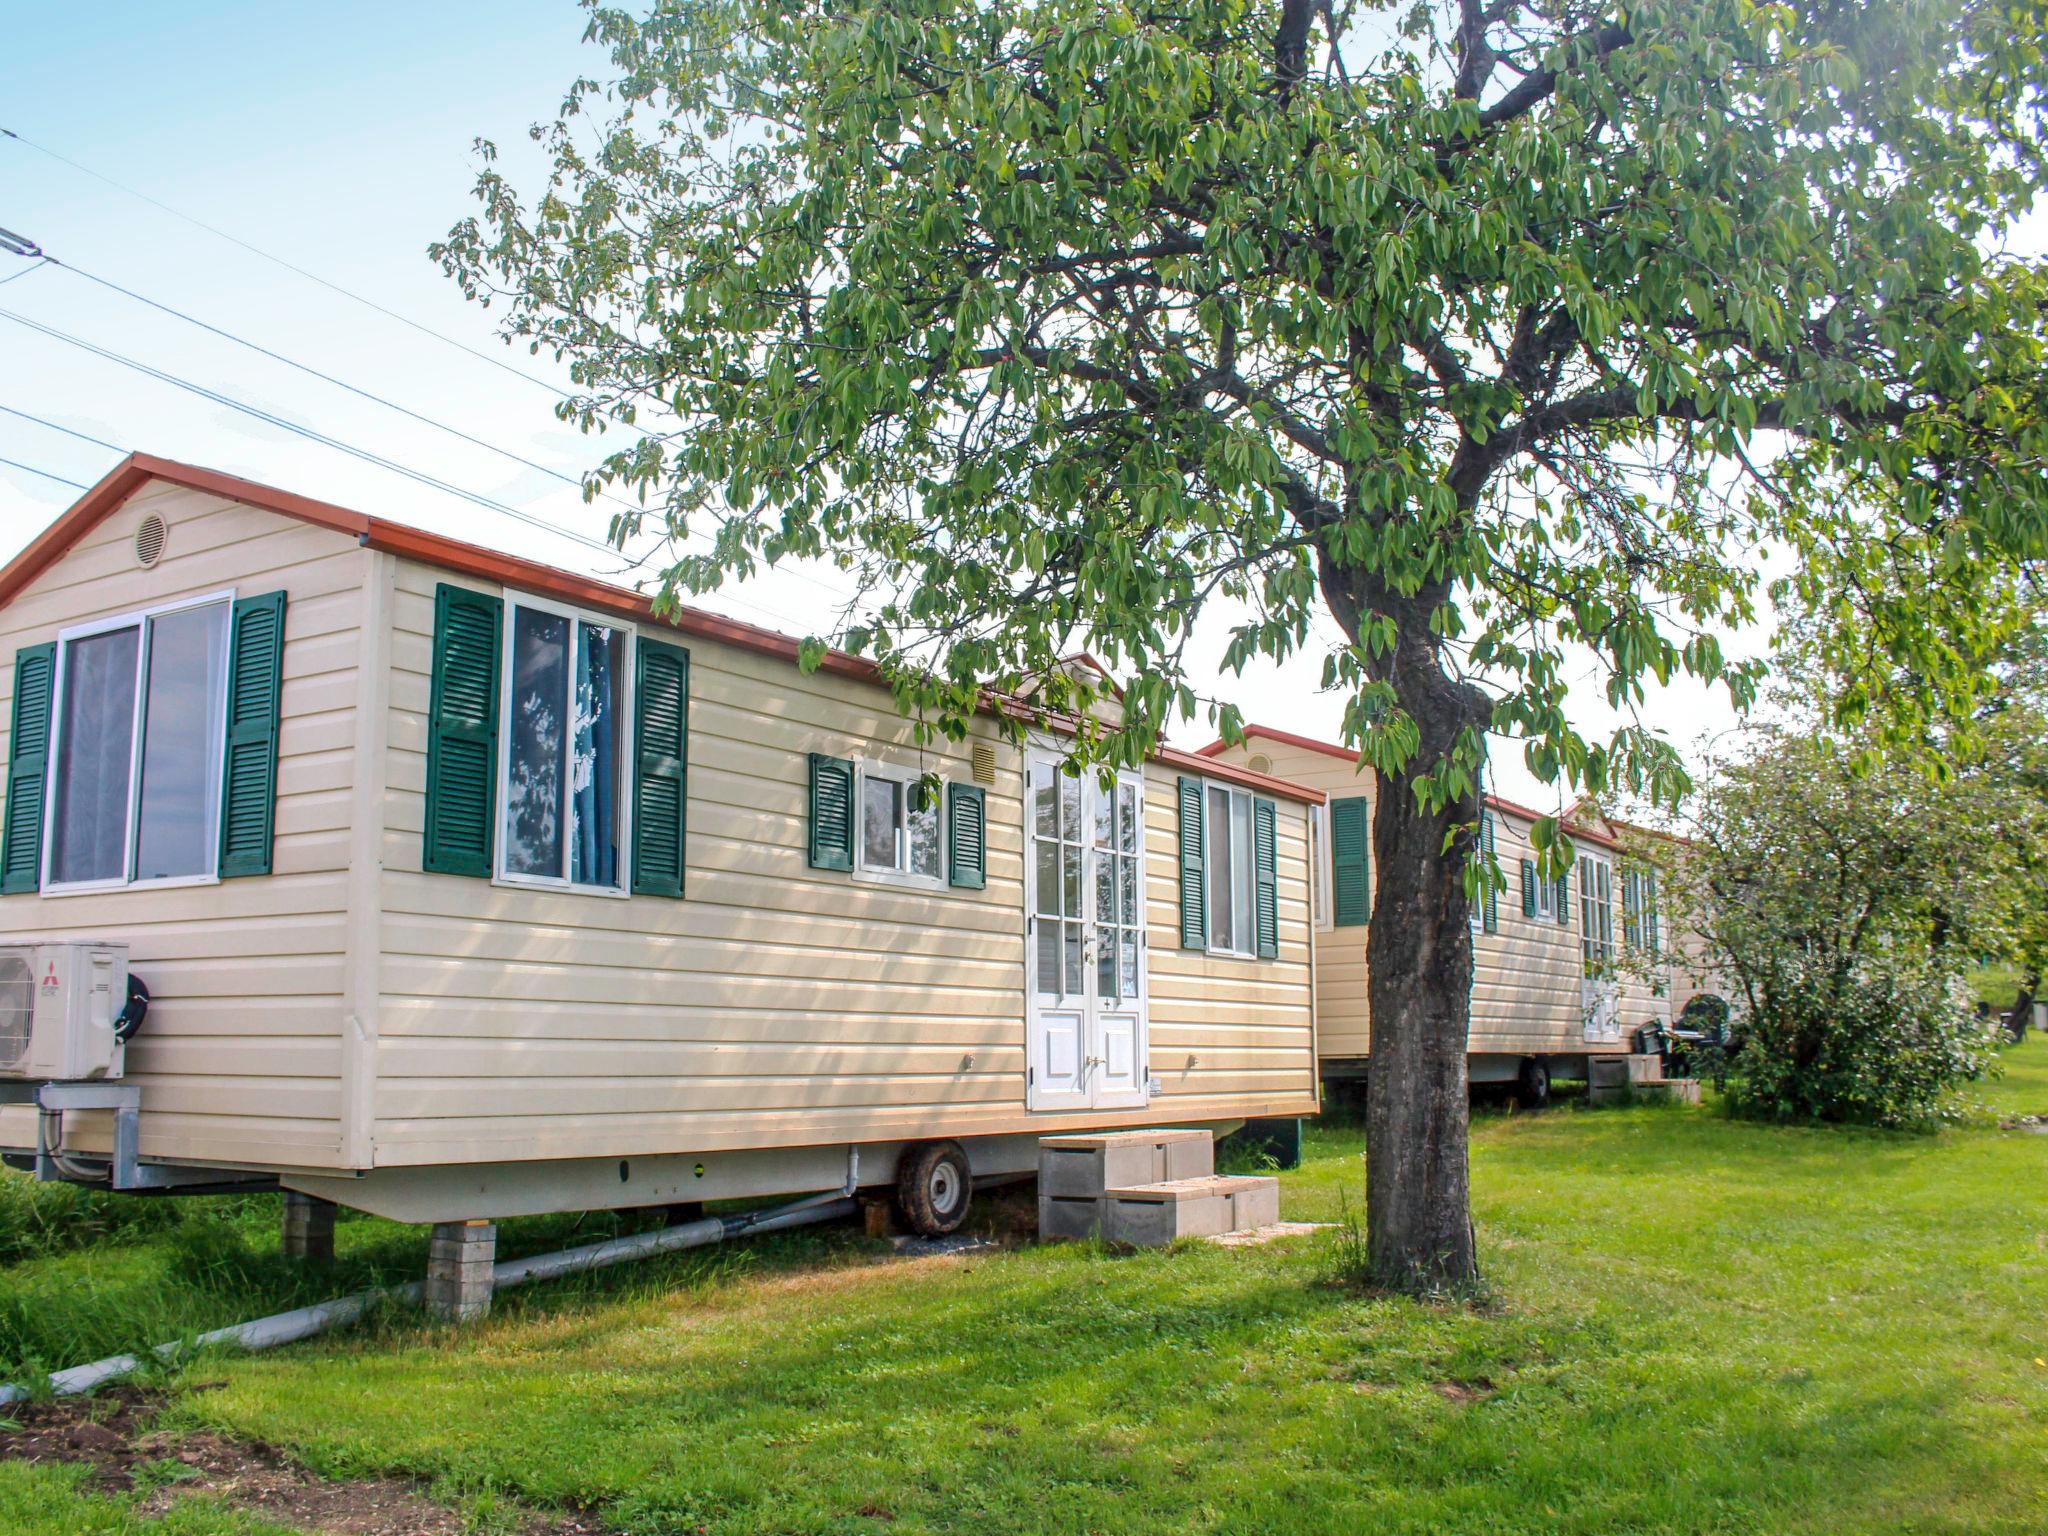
1563,970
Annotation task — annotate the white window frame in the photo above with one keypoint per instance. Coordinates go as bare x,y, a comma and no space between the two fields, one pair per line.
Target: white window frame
1325,885
1597,945
1546,893
139,619
1249,888
865,768
622,707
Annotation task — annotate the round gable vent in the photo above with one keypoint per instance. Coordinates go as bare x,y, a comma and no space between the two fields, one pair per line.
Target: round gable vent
149,541
1260,763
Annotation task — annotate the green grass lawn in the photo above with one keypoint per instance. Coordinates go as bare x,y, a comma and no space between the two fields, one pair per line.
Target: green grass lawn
1697,1326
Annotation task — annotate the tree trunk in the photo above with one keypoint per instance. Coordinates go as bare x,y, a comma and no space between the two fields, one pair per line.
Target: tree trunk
2021,1013
1419,957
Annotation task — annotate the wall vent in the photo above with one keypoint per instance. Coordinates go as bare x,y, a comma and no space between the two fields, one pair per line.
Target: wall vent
984,763
1260,763
149,541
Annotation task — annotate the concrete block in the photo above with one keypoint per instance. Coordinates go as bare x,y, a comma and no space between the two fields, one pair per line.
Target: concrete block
1645,1069
1254,1202
1607,1079
459,1261
1151,1220
307,1231
1085,1166
1063,1216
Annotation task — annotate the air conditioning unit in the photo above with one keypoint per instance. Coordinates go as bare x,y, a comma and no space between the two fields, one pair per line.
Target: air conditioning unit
59,1004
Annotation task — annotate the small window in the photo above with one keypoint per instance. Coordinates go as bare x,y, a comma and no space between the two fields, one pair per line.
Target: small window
902,834
1546,897
1231,873
136,779
562,775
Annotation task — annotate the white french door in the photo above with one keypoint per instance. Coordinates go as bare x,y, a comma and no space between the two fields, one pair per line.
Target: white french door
1084,896
1599,989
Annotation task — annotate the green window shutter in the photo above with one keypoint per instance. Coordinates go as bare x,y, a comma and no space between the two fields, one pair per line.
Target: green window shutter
28,760
1350,862
462,733
1528,887
248,797
661,754
1194,892
1652,937
966,836
831,812
1266,881
1489,901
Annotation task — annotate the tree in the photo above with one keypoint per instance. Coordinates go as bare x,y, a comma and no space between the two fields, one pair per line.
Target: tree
1503,331
1841,893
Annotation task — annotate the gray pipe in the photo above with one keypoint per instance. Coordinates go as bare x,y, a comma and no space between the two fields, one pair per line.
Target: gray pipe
304,1322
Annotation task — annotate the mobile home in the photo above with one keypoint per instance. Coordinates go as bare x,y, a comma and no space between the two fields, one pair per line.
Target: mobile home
1564,971
464,887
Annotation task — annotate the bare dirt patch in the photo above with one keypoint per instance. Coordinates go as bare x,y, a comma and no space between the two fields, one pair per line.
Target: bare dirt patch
112,1433
1473,1391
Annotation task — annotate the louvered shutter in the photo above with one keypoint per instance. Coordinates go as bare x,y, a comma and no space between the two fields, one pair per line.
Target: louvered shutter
661,753
462,733
1194,894
831,812
28,761
1350,862
1650,920
1528,887
1489,901
966,836
248,801
1266,879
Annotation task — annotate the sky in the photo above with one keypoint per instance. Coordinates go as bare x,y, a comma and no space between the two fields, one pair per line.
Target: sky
339,139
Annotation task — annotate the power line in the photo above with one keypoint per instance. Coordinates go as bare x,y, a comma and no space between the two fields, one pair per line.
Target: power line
313,435
371,396
315,277
83,437
17,464
328,378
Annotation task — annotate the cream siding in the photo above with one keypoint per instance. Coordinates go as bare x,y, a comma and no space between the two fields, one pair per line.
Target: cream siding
774,1003
241,1057
1526,996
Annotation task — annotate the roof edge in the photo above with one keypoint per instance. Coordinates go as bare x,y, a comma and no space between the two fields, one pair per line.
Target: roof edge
465,559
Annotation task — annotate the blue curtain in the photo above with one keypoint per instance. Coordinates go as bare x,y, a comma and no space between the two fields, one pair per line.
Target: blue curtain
594,807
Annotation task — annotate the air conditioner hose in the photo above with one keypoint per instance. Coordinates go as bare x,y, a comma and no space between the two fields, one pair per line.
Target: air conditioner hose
130,1018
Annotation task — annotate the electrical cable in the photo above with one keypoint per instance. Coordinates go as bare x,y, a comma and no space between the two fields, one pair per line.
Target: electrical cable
83,437
218,233
17,464
373,398
312,435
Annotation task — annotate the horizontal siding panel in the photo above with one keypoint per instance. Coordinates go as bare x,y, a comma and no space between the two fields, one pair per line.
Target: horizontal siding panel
990,1019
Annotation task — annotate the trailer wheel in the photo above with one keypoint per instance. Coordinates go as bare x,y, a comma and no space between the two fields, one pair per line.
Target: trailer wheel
933,1188
1532,1083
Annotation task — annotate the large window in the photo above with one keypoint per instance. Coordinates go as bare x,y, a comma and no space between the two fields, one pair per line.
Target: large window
901,833
135,779
1231,873
567,692
1639,910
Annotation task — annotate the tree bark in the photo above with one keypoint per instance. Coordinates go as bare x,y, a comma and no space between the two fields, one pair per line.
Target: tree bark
1419,958
2021,1013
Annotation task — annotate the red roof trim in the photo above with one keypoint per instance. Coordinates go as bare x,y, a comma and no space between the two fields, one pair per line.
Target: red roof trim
1345,754
466,559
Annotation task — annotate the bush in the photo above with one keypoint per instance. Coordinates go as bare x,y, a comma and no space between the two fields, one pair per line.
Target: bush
1877,1041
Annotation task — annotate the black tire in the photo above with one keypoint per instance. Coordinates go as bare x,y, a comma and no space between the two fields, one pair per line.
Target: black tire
933,1188
1532,1083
